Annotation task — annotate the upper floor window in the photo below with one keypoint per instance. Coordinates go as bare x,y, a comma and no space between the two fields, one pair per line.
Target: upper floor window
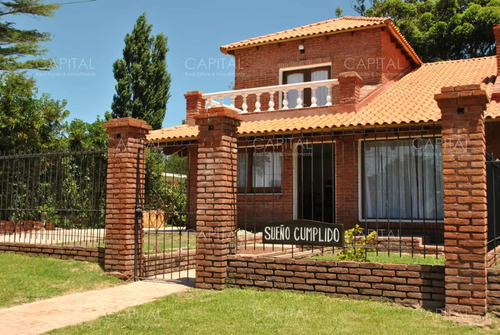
306,75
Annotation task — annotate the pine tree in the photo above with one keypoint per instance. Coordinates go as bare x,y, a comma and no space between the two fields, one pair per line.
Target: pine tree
143,82
15,44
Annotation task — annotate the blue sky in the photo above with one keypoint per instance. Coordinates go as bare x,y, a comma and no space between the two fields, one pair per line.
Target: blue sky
88,38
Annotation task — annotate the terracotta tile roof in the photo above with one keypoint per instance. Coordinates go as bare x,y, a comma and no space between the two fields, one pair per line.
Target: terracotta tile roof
327,27
409,100
182,132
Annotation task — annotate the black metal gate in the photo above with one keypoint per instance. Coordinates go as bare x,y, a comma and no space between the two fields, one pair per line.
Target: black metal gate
166,244
493,189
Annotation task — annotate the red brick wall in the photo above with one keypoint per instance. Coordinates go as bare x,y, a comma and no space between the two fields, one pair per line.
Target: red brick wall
169,262
392,62
368,52
55,251
412,285
494,290
256,209
259,66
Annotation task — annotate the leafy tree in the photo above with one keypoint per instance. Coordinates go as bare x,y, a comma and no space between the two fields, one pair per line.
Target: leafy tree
29,122
16,44
143,82
338,12
84,136
443,29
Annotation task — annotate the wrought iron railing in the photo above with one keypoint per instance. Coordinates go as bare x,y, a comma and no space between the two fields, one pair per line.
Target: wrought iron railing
53,198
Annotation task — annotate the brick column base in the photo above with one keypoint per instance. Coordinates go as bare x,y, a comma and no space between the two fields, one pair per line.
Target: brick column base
465,200
216,190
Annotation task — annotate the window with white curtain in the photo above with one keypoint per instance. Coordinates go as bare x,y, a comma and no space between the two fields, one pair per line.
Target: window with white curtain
306,75
259,171
403,179
242,170
266,169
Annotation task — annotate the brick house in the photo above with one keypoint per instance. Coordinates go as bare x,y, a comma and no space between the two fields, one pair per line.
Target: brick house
340,123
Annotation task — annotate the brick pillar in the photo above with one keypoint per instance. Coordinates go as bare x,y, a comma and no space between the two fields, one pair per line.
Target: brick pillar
465,201
195,105
126,138
349,88
216,201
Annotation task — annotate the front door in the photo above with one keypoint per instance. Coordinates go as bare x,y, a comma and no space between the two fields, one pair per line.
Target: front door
316,182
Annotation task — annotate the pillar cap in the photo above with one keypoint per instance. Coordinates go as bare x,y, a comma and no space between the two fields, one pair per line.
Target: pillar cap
462,92
219,112
349,75
193,93
128,125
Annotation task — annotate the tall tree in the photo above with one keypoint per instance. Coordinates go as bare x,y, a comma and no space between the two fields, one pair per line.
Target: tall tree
443,29
359,6
29,122
16,44
143,82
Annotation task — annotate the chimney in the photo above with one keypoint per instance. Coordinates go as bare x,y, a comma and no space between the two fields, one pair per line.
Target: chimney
496,88
349,87
195,104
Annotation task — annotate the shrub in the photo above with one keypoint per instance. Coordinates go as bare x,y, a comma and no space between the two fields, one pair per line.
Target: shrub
357,245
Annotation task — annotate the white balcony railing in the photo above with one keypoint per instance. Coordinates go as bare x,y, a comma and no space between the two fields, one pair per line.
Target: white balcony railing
290,96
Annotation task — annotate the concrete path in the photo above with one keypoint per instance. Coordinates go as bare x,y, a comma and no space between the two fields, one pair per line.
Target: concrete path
45,315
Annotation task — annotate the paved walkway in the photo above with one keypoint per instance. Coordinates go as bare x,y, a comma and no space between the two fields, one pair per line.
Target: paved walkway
45,315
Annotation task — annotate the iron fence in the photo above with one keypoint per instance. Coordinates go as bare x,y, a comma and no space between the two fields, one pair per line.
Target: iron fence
385,181
168,240
53,198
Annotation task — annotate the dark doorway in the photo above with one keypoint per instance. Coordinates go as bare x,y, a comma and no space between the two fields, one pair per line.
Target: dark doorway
316,182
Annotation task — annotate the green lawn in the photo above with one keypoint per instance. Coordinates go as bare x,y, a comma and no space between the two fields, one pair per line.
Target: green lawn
170,241
392,258
252,312
159,242
26,279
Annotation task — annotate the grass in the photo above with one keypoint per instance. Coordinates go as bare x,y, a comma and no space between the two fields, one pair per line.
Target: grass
170,241
159,242
383,257
252,312
26,279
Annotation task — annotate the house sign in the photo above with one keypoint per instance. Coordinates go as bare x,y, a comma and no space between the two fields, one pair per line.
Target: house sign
304,232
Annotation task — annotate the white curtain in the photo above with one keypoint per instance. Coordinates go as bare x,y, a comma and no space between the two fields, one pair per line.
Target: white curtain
294,94
321,92
242,169
403,179
266,169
